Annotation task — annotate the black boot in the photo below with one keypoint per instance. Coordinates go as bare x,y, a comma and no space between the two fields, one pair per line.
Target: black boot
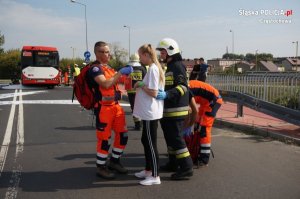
103,172
182,174
117,166
170,166
185,169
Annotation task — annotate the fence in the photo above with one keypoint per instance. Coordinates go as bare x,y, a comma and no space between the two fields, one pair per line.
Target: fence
278,88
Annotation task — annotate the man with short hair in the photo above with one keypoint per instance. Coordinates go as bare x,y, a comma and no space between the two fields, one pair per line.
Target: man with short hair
196,69
203,70
109,114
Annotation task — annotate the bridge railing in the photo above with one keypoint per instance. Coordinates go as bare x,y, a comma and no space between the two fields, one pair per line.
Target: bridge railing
278,88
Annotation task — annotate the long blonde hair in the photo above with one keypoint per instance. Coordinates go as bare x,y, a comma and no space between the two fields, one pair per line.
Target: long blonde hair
147,48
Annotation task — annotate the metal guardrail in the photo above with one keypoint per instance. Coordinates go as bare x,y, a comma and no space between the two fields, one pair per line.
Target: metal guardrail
283,113
277,88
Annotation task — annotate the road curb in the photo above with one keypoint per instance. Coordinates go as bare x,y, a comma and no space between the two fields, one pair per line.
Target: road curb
3,85
258,131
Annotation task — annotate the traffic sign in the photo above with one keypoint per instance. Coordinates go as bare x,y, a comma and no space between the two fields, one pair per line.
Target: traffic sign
87,54
87,59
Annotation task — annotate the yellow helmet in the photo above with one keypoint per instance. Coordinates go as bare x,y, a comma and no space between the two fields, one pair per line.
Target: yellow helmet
170,45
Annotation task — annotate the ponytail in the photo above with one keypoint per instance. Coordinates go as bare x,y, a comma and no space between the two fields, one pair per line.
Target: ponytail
147,48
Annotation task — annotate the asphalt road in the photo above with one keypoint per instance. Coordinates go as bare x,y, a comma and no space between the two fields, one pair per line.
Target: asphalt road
48,151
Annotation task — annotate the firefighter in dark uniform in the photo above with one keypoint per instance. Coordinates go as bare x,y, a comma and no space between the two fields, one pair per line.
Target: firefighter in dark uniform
176,107
138,74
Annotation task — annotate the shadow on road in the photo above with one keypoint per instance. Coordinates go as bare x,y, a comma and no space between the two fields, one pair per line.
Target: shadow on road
78,178
77,128
72,178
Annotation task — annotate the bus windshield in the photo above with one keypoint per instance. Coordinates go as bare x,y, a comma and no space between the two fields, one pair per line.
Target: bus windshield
40,59
46,59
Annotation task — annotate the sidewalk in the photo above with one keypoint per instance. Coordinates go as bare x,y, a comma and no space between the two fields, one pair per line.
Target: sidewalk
253,122
258,123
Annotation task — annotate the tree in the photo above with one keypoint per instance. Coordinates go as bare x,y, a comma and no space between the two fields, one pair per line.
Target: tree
250,57
2,40
118,56
260,57
265,56
233,56
65,62
9,64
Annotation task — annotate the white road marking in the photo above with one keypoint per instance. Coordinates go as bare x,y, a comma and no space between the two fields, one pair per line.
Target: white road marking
9,95
20,86
20,127
15,178
7,135
64,102
12,190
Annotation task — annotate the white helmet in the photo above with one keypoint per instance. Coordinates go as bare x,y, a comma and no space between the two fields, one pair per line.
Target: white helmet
170,45
134,60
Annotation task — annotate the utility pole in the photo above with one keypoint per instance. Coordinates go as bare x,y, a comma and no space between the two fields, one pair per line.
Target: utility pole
233,51
125,26
256,67
296,58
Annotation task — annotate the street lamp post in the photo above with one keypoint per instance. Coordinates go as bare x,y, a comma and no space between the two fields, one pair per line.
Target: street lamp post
233,50
73,50
232,41
296,42
256,60
86,40
128,41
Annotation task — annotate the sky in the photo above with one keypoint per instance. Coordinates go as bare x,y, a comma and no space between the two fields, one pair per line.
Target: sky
201,28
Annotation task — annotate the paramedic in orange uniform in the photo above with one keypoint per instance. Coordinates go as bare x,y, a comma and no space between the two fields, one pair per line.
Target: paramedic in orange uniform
109,114
210,101
66,78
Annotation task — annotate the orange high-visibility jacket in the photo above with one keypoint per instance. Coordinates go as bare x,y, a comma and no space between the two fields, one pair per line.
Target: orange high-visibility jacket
112,94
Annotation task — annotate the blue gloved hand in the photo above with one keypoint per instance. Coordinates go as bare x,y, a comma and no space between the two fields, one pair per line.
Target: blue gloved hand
126,70
187,131
161,95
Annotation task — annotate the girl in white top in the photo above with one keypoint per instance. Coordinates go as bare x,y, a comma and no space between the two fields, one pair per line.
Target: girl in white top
150,110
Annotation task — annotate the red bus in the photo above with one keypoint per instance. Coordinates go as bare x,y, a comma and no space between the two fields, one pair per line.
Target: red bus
40,66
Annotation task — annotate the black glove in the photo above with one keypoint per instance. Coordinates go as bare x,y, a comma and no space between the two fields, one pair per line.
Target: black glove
210,114
118,95
214,109
196,127
203,132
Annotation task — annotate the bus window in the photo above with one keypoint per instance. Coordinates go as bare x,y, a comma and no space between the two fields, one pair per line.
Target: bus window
46,60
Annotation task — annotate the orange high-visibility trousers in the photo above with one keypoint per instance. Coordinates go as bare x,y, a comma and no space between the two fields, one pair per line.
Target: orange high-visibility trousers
206,123
66,78
108,118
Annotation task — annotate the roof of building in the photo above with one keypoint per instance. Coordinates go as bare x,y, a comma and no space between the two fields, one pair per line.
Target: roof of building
269,65
247,63
294,61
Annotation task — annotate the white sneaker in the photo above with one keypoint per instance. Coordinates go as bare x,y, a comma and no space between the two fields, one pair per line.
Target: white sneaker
143,174
151,181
